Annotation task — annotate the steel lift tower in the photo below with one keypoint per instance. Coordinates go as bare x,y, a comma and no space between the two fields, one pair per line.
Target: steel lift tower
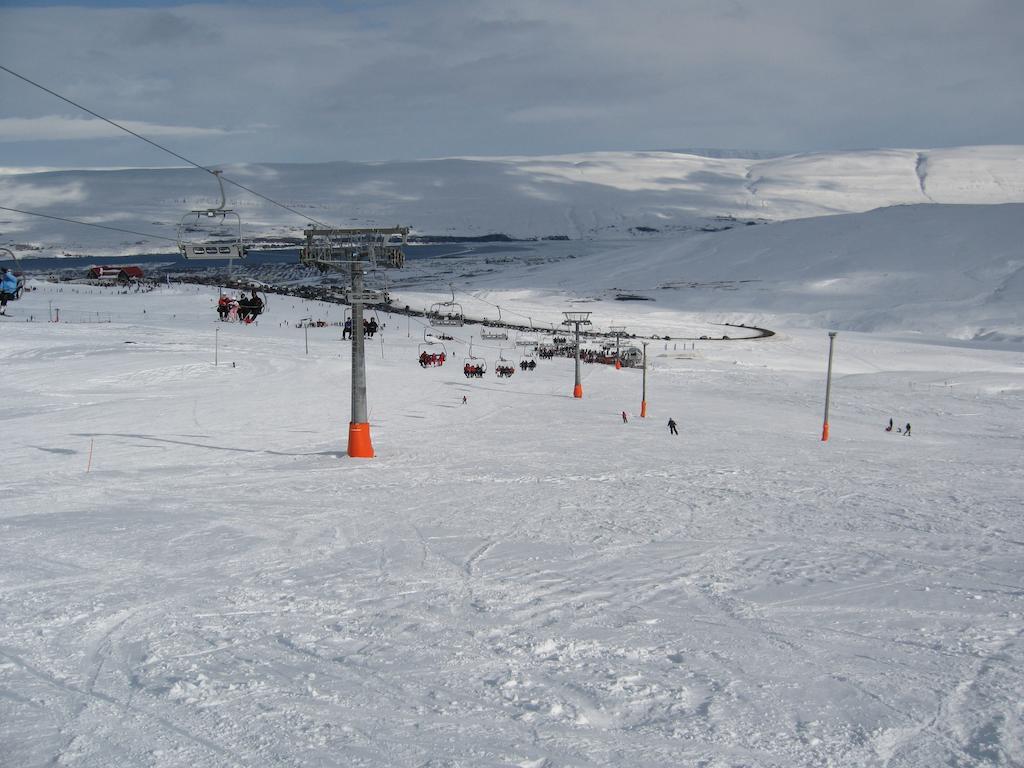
577,319
355,251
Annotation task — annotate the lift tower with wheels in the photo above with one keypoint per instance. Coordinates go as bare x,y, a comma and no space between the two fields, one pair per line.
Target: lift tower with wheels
618,331
355,251
577,319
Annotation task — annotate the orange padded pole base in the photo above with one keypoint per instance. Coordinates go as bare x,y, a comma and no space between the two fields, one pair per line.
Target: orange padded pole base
618,365
359,445
643,409
824,432
577,391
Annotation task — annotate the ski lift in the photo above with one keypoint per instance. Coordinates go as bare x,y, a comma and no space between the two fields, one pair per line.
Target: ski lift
446,313
429,356
528,361
494,333
526,341
474,367
16,269
229,227
502,367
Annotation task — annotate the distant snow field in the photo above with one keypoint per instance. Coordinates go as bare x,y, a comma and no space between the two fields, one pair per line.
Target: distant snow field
194,574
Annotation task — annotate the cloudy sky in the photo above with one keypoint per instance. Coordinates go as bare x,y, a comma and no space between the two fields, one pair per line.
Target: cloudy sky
400,79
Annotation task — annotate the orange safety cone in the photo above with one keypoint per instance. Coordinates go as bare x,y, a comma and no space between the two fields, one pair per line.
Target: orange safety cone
577,391
359,444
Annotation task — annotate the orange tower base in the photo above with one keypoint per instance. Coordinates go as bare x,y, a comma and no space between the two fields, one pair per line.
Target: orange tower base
577,391
359,445
618,365
824,432
643,409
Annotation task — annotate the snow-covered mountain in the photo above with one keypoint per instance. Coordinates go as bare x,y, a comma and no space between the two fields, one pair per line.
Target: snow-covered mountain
603,195
956,271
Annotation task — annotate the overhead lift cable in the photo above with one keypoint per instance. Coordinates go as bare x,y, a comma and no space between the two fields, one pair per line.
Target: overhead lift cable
87,224
160,146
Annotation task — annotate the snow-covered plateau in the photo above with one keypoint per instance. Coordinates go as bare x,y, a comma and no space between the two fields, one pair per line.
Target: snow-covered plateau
194,573
596,195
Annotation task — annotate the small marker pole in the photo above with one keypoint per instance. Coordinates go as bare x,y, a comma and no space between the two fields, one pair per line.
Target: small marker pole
216,346
88,465
828,385
643,397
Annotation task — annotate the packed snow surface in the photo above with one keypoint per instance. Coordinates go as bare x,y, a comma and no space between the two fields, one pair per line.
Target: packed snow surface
194,574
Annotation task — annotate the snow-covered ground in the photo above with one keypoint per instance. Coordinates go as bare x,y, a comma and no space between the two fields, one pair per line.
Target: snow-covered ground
194,574
596,195
938,270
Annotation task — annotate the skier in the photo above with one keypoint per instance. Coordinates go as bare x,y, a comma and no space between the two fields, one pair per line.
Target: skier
906,431
346,332
672,427
889,428
464,400
624,419
8,289
255,306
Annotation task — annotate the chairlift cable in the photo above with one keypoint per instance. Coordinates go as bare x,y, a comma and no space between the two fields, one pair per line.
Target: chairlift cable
87,224
159,146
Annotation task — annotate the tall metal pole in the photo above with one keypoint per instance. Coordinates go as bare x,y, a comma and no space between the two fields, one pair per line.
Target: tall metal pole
359,444
828,384
577,391
643,397
618,331
577,319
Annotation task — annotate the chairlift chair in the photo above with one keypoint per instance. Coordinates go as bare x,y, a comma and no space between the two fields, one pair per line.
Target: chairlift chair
502,367
16,269
429,356
202,221
446,313
498,333
474,367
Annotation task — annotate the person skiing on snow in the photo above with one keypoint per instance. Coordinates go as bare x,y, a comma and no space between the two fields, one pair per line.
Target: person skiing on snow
672,427
889,428
907,430
346,332
625,420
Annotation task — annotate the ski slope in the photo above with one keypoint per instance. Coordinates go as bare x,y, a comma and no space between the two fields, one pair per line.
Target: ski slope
194,574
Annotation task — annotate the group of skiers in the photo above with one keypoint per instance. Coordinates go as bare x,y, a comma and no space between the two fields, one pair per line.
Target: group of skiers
473,370
904,431
527,365
504,370
370,328
671,423
434,359
244,309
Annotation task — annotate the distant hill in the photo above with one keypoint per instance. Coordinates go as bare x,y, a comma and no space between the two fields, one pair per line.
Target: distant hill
597,195
939,270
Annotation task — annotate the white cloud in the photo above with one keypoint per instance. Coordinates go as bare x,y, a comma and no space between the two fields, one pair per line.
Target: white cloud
64,128
405,79
15,194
